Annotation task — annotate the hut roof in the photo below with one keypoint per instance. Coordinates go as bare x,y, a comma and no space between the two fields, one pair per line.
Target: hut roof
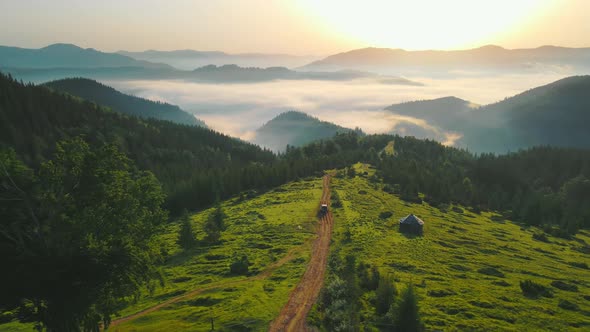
411,220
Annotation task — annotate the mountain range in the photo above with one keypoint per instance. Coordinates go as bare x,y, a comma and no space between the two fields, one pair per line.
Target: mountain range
68,56
190,59
491,57
123,103
60,61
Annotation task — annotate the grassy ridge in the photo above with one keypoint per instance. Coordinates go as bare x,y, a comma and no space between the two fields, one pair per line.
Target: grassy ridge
467,267
272,229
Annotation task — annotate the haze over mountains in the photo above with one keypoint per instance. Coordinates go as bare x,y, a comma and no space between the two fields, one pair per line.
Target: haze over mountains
67,56
190,59
66,60
486,58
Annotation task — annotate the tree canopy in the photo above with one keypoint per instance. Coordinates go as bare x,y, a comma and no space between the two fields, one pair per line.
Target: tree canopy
78,236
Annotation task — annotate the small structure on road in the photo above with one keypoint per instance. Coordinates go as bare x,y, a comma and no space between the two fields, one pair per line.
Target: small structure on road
412,225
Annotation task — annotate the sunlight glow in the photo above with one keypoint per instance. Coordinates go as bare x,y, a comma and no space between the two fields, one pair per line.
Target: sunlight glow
425,24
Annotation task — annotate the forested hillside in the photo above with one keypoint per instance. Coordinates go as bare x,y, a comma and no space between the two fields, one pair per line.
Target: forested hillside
106,96
295,129
555,114
195,165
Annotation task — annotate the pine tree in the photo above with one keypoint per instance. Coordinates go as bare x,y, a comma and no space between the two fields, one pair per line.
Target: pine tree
215,224
405,316
186,237
384,295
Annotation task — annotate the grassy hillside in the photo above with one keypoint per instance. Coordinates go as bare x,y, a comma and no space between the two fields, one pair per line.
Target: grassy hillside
273,230
467,267
123,103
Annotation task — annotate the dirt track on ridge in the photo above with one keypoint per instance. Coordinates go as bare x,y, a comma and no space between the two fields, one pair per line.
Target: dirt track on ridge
294,313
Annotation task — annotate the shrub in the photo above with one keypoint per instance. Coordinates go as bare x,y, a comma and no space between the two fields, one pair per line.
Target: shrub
564,286
532,289
540,237
239,266
457,209
567,305
581,265
490,271
440,293
385,214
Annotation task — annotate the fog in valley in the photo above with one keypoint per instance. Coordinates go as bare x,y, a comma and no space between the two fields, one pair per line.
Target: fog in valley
239,109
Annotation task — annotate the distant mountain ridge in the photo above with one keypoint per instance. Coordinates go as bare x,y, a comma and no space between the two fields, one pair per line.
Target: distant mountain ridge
489,56
295,129
209,74
67,56
123,103
190,59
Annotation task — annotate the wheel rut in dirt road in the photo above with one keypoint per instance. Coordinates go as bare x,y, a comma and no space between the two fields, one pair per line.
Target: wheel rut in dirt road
293,315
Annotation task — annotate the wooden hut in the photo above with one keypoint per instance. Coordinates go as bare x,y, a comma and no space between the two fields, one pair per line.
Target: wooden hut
411,225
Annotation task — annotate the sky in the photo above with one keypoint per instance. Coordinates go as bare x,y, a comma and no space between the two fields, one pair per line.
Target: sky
304,27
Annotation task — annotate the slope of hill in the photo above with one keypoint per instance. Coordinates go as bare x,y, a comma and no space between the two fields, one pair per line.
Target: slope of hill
67,56
555,114
295,129
189,161
466,269
446,112
120,102
444,118
492,57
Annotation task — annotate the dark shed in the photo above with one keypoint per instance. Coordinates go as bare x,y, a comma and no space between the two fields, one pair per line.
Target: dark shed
411,224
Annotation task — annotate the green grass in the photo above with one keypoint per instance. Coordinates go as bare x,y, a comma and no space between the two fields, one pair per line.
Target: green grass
266,229
466,267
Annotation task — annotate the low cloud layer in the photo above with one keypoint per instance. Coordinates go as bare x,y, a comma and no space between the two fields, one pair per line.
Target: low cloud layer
239,109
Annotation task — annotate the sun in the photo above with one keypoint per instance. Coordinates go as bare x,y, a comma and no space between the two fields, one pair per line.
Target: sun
424,24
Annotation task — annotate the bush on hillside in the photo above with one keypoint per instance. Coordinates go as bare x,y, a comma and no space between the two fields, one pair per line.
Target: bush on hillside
532,289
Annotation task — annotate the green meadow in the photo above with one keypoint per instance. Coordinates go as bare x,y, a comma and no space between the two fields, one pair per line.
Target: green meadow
467,267
273,230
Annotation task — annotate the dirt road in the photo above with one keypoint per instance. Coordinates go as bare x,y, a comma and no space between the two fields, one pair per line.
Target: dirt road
294,313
